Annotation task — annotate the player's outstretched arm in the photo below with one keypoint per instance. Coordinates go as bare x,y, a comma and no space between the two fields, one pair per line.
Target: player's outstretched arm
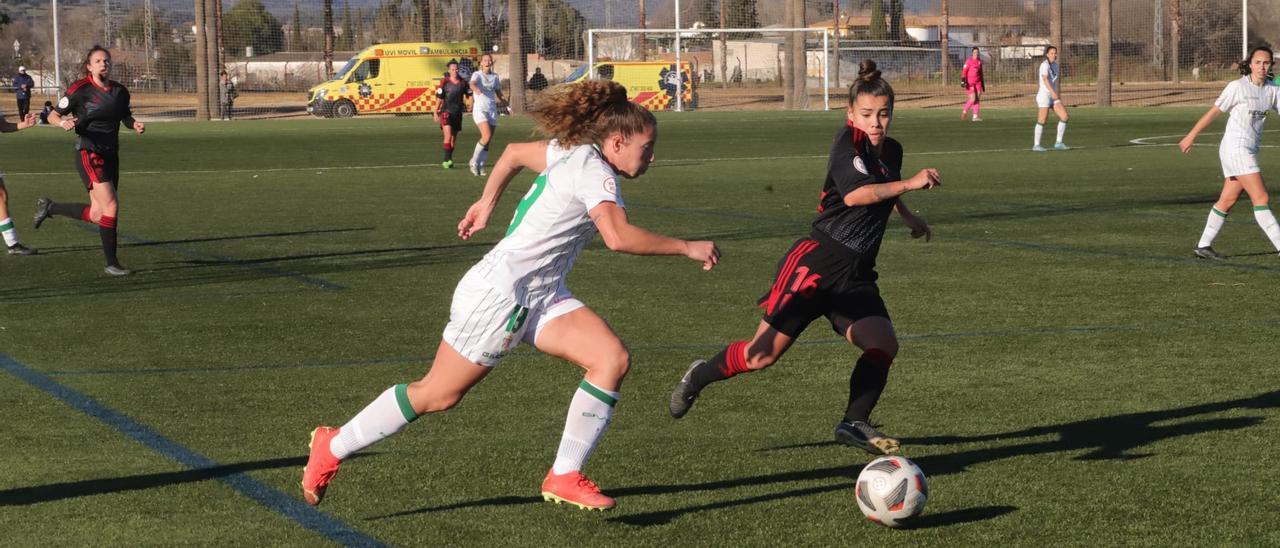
515,157
874,193
10,127
622,236
1190,139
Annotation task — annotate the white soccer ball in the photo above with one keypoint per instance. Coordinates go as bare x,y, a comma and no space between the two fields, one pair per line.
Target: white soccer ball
891,491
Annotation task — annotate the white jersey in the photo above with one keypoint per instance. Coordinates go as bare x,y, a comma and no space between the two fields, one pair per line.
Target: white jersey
1247,106
1050,70
485,89
551,225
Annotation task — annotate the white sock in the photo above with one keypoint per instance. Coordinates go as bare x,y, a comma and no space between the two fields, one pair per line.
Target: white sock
389,413
1039,131
1212,226
590,413
10,233
1268,223
1062,128
477,156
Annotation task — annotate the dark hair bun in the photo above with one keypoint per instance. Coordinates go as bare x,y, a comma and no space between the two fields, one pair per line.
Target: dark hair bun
867,71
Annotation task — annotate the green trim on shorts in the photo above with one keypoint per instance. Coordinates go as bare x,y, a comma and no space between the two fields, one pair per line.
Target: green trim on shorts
597,393
402,398
516,320
1262,208
1222,214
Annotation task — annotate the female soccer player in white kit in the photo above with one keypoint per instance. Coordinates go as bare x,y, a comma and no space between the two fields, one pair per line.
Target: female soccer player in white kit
486,88
1246,101
1049,97
517,291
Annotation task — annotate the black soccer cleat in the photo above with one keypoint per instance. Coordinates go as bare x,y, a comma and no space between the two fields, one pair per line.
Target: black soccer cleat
42,212
683,396
1207,252
19,249
862,435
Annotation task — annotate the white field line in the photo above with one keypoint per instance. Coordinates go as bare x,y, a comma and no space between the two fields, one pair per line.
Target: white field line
1144,140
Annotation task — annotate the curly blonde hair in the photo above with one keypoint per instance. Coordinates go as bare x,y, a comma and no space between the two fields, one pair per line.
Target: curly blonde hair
589,111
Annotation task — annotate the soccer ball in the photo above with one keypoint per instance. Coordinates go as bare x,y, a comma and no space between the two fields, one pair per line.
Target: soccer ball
891,491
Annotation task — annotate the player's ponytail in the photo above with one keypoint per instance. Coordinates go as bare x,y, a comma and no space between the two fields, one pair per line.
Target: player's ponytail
1244,65
589,111
869,82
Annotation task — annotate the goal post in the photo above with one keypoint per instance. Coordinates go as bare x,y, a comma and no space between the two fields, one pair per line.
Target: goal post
742,58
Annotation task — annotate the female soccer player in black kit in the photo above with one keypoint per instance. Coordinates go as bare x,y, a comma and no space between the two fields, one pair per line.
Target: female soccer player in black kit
832,272
95,107
449,107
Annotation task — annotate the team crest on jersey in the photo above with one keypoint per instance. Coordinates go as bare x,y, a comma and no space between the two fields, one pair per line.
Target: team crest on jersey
858,165
611,185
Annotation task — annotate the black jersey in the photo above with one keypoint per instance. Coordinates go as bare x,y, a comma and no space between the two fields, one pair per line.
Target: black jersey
856,231
450,94
99,112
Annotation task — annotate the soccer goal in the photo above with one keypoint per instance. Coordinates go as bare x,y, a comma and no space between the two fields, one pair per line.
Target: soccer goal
723,68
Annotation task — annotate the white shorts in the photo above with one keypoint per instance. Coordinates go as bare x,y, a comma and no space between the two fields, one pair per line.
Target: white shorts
1238,161
1044,100
486,323
489,115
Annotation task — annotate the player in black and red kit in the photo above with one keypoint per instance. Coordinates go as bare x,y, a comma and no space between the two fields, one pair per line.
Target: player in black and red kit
449,108
95,107
832,272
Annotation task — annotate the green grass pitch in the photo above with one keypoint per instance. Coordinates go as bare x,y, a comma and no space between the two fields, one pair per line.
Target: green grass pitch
1069,373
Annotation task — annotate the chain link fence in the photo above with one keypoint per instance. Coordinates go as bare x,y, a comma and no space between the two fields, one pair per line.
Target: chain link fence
276,52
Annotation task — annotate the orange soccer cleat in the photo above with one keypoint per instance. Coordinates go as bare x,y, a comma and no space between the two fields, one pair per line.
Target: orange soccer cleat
574,488
321,466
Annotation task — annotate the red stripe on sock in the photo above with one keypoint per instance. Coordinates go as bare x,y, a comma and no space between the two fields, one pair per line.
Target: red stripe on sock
107,221
85,216
735,359
448,146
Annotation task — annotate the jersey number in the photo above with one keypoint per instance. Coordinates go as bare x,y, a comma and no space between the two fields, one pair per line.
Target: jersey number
539,185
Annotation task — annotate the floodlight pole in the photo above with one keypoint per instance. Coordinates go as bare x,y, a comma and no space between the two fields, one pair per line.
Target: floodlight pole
679,69
57,50
826,73
1244,29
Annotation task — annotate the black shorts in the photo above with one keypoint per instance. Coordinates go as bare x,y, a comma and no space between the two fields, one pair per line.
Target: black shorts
813,281
98,167
453,120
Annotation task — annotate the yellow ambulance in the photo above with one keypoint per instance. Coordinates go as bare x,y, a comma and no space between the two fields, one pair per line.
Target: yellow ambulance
391,79
652,84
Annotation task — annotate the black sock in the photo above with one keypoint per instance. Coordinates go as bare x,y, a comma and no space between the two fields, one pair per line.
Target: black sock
729,362
107,230
448,153
74,211
870,375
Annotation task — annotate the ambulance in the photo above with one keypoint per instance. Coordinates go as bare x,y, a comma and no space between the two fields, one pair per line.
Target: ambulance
391,79
652,84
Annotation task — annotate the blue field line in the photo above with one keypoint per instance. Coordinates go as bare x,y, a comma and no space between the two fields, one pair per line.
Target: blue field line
231,261
274,500
525,351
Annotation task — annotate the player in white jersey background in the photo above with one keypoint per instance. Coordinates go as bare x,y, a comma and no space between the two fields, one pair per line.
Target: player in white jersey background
6,224
517,291
1246,102
1050,97
486,90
